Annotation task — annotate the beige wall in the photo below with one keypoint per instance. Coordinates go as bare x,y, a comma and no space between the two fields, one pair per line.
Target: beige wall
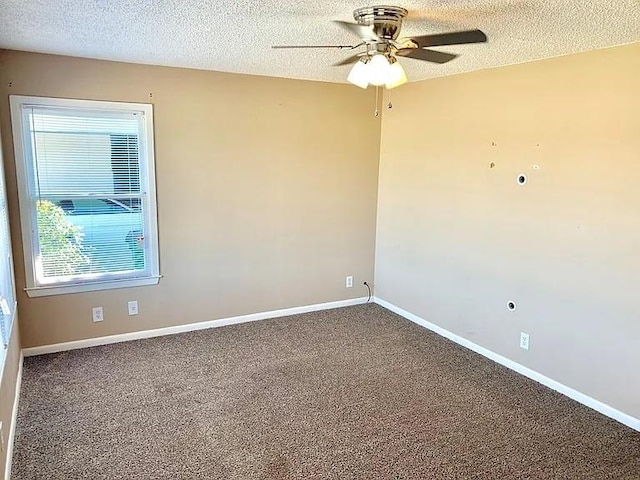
8,392
457,239
267,199
266,193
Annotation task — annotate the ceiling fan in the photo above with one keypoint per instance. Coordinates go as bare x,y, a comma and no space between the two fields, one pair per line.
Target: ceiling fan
378,28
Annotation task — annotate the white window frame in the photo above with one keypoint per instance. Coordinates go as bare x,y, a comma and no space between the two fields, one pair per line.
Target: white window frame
92,282
10,292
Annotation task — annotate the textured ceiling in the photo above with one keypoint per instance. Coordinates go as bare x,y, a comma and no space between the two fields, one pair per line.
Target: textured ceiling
235,36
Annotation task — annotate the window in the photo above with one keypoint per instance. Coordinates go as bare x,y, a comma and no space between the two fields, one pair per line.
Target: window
87,194
7,290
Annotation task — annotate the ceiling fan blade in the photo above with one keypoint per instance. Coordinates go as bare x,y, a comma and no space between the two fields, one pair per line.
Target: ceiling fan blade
365,32
451,38
341,47
348,60
427,55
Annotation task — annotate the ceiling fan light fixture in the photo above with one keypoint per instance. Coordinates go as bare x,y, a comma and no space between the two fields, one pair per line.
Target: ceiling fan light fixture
378,70
397,76
378,29
359,74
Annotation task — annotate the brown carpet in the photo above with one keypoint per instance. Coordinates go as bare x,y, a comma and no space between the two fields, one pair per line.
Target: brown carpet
353,393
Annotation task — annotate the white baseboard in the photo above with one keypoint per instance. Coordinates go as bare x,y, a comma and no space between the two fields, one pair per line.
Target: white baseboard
579,397
14,419
158,332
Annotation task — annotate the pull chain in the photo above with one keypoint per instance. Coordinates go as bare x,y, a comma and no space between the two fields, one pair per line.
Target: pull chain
389,105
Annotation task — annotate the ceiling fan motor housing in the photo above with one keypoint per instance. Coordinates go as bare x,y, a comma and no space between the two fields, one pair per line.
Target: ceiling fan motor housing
386,20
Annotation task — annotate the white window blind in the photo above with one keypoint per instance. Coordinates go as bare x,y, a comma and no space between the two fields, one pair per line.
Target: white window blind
87,191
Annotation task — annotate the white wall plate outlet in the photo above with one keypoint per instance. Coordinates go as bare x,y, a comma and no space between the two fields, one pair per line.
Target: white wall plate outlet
98,314
349,281
524,340
132,306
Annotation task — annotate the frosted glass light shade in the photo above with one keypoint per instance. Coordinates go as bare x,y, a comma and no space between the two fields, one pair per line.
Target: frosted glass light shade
359,74
378,70
396,76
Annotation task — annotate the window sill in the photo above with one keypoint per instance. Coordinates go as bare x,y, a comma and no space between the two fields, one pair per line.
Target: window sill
91,286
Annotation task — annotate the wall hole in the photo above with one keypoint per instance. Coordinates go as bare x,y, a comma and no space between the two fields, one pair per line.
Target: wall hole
511,306
522,179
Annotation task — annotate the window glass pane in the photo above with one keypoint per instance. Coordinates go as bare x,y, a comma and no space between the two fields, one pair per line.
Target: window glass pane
88,236
6,274
101,235
82,154
87,192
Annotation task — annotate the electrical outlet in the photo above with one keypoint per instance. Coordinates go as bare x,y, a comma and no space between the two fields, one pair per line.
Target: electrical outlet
349,281
524,340
98,314
133,307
